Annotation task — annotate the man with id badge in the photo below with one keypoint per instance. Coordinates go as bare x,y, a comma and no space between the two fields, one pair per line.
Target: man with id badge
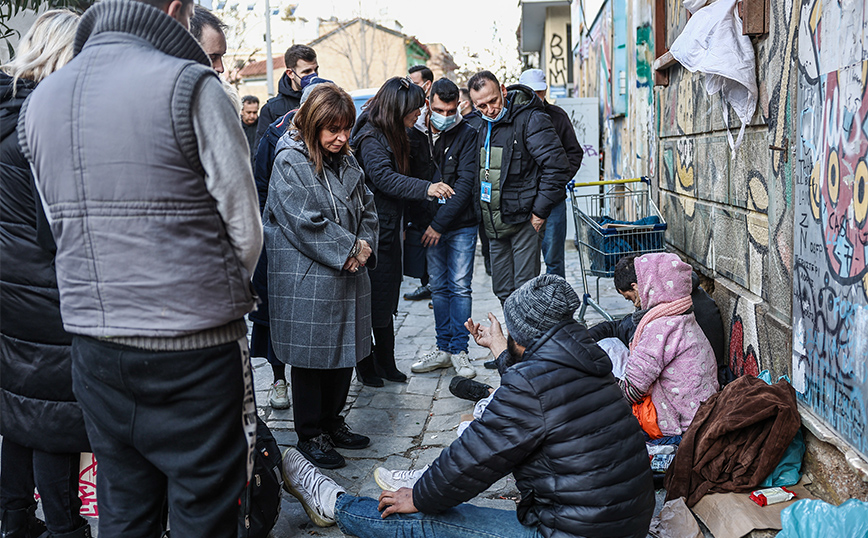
523,172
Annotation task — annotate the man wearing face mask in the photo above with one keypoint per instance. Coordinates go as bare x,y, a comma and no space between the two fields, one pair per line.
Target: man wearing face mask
450,238
300,62
523,172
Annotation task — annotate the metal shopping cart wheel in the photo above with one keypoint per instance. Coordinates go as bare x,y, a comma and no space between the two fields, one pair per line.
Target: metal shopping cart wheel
622,220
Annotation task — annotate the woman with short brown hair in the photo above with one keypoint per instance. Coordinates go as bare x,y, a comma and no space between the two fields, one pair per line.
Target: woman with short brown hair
320,232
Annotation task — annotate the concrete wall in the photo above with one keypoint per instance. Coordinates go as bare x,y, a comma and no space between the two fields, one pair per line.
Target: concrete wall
360,56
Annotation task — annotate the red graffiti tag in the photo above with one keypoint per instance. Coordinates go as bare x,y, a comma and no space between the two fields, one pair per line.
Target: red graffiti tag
741,361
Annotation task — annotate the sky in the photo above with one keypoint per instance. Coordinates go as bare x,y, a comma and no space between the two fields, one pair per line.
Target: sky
474,25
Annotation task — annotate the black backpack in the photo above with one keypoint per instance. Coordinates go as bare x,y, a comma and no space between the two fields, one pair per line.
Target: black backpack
260,500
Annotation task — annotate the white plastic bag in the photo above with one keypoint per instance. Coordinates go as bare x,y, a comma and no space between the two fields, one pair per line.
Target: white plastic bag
712,43
694,5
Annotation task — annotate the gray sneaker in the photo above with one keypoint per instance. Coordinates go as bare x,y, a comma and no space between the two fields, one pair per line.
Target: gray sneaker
461,362
279,397
431,361
395,480
316,492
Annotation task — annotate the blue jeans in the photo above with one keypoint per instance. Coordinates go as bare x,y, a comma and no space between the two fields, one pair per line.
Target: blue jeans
358,516
554,239
450,268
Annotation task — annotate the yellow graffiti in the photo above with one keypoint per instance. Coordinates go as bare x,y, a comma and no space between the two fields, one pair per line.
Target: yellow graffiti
860,196
758,193
816,13
833,180
814,192
685,175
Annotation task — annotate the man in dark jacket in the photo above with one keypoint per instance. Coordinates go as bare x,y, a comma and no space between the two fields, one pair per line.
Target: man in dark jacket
450,231
154,275
556,225
523,174
558,423
300,61
706,311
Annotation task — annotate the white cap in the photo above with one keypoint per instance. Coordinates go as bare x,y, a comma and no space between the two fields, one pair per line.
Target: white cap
535,79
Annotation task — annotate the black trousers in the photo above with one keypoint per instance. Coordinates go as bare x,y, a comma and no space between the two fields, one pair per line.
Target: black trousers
167,424
318,397
55,475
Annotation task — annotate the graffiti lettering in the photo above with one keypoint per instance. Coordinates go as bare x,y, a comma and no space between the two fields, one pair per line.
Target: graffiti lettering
557,75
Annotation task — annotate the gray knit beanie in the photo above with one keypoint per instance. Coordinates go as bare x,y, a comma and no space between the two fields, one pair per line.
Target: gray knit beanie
537,306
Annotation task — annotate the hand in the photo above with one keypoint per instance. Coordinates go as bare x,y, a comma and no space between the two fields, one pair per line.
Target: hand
536,222
397,502
440,190
430,238
490,337
364,252
352,265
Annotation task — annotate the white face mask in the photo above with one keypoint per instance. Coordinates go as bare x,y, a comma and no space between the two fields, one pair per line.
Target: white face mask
444,123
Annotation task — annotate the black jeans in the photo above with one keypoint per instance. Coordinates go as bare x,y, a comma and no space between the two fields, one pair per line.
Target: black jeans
55,475
318,397
177,424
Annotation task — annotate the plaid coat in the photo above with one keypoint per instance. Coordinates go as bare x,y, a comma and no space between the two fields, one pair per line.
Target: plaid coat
320,314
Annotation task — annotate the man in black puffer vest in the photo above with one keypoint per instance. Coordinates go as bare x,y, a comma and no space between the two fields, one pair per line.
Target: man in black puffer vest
558,423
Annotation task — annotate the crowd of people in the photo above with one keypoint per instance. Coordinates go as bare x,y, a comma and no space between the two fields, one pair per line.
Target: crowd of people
147,209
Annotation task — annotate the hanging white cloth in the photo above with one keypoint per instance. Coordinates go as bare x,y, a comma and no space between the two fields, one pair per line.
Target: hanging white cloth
712,43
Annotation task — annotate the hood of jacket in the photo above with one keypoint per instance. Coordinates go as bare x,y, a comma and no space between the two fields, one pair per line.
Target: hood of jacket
569,344
662,278
521,99
9,105
284,87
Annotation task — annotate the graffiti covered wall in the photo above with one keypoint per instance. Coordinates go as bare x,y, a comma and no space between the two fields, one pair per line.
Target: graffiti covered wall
627,129
830,292
731,215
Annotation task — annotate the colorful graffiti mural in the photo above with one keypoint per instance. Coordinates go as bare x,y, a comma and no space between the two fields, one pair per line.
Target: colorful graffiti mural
830,280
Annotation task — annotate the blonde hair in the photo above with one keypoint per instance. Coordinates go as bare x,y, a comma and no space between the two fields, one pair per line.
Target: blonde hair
45,48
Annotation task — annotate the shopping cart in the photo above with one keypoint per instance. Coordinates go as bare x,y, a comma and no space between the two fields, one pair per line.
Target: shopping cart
619,221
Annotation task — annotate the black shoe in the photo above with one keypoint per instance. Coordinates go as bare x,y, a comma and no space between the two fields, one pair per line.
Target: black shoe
367,373
385,368
421,293
21,523
344,438
430,305
491,365
321,453
468,389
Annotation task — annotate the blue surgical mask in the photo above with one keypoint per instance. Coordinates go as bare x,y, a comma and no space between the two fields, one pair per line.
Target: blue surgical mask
499,116
444,123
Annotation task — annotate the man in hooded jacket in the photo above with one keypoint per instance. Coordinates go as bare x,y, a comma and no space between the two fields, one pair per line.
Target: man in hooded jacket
300,61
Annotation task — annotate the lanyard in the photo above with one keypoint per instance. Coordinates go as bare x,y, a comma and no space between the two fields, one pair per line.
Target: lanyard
488,150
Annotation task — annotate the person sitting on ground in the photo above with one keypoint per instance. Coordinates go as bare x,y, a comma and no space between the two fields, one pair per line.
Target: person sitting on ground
704,308
558,423
671,361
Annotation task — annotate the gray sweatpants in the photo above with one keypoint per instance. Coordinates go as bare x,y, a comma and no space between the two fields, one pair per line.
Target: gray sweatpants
515,260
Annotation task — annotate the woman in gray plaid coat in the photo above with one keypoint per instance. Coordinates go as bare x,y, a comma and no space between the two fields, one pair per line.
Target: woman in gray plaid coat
320,230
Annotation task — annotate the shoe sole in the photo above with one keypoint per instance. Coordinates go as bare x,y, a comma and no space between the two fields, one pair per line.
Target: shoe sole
275,406
317,519
383,486
468,376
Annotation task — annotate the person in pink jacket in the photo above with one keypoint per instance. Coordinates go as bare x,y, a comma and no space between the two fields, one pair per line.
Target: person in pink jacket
670,357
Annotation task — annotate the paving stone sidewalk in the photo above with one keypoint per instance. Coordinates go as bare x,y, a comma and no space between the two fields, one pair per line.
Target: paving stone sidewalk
410,423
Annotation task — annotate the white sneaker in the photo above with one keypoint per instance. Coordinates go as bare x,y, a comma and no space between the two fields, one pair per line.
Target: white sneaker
431,361
395,480
316,492
461,362
279,399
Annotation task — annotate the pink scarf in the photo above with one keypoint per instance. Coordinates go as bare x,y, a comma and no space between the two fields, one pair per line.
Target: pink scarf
678,306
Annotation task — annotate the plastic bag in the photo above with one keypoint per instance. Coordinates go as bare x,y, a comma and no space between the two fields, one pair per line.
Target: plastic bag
646,414
694,5
712,43
811,518
789,469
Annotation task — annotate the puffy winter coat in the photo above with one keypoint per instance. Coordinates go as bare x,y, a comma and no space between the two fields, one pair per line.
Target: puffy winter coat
671,360
391,190
38,407
560,425
534,170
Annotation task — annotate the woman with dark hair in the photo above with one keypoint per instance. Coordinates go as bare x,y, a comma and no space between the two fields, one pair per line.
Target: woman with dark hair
320,232
383,148
41,424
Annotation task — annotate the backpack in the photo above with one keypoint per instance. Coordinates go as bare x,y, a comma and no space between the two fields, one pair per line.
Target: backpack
260,501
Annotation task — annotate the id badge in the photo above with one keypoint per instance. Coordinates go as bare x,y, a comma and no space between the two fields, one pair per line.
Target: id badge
485,192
